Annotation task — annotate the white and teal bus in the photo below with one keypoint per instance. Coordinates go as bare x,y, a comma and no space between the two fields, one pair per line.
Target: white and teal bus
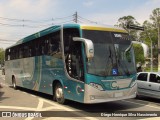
83,63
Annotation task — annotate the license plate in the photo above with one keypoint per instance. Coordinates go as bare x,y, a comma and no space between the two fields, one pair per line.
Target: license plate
119,94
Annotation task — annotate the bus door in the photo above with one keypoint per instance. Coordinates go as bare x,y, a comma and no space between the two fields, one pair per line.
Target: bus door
74,65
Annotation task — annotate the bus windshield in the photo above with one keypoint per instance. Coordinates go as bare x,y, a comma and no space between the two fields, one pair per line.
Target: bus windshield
113,53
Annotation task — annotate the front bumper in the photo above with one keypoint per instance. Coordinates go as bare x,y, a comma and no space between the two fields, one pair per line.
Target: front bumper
93,95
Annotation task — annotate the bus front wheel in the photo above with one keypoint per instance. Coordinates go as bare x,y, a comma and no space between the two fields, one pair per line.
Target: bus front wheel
59,94
14,83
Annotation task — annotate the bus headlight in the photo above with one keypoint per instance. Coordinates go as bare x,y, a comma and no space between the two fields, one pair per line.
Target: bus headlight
95,85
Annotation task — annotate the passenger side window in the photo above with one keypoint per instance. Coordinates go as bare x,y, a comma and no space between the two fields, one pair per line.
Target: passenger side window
46,45
7,54
142,77
54,44
154,78
158,79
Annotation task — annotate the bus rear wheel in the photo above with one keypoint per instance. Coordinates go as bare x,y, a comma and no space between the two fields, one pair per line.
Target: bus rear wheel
59,94
14,83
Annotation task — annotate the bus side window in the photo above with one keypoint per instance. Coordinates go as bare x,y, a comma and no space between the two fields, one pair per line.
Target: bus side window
12,54
16,52
30,49
39,47
25,51
54,46
54,43
21,52
7,54
46,42
36,47
42,46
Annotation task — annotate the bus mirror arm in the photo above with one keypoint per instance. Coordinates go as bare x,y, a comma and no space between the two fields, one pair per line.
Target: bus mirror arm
89,47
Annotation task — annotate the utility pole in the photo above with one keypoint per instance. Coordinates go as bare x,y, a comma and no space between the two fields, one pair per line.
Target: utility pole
75,17
151,53
158,25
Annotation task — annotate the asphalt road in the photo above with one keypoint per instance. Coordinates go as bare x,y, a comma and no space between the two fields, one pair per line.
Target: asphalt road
22,103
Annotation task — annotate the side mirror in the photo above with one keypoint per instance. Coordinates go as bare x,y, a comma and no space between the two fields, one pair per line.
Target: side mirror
89,47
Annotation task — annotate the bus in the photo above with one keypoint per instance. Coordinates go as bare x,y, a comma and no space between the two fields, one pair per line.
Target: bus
84,63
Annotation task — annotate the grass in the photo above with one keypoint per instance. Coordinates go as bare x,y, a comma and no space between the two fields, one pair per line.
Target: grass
148,69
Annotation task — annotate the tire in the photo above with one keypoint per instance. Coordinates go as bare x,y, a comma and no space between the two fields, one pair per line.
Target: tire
137,96
59,94
14,83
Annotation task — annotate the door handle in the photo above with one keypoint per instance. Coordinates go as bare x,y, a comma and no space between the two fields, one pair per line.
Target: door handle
149,85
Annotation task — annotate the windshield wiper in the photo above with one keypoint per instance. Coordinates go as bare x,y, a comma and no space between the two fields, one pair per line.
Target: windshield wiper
120,64
109,57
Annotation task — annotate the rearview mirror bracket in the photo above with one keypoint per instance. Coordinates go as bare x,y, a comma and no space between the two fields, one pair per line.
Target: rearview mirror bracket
89,47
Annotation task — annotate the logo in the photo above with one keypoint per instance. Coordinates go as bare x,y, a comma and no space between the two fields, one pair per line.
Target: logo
115,85
114,71
6,114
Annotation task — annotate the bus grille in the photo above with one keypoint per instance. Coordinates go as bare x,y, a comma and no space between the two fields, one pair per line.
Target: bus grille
116,84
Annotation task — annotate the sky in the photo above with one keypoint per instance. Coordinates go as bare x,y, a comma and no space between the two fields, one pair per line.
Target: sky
20,18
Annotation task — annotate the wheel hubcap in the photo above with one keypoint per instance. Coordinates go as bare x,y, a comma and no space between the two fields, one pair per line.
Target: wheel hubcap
59,93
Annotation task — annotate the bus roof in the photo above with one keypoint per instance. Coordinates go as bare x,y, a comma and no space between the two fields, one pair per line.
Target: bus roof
103,28
71,25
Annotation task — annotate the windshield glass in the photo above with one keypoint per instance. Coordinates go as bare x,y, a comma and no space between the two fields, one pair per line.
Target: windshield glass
113,53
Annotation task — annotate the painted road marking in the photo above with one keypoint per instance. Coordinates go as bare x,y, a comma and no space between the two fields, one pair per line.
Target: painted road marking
54,106
68,109
40,105
142,104
4,85
65,118
24,92
33,96
19,108
152,118
146,101
58,106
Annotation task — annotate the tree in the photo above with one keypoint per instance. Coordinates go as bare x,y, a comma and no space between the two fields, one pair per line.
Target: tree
155,17
139,55
150,34
1,56
151,30
123,21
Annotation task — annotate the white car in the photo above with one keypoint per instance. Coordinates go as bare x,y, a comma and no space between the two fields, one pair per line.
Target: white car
148,84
